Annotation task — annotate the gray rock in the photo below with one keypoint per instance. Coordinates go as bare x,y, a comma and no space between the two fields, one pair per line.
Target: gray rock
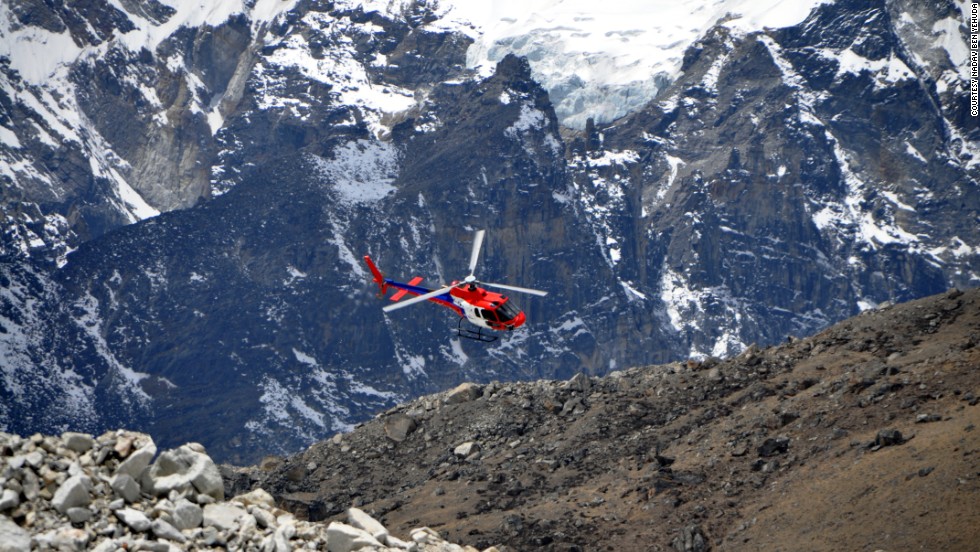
183,467
78,442
31,486
579,382
73,492
399,426
125,487
79,515
223,517
164,530
9,500
187,515
134,519
888,437
34,458
774,446
575,405
691,539
13,538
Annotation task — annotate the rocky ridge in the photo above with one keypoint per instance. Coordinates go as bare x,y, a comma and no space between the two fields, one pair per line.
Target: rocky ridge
79,492
860,437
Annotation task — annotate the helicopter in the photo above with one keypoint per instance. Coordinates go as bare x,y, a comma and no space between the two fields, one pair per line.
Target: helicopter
467,297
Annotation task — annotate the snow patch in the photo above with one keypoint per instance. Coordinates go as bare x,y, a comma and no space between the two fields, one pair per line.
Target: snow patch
361,171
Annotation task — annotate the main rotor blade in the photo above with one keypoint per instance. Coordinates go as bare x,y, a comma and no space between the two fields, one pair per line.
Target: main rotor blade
537,292
475,254
416,299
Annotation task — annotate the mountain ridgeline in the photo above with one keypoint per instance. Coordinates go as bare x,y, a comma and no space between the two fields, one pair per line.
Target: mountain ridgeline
785,180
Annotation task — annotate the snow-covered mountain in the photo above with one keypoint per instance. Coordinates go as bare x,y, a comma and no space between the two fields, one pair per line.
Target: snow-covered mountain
187,194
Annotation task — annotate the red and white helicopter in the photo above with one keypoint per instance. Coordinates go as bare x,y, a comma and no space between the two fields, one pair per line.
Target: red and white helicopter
484,309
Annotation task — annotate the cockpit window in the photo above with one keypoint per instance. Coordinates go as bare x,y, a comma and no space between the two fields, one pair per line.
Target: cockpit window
507,311
488,314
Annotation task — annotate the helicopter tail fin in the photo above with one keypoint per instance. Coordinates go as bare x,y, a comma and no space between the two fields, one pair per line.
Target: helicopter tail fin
378,277
402,292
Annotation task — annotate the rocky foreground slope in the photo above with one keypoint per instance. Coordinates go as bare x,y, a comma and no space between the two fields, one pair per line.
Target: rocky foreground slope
862,437
77,492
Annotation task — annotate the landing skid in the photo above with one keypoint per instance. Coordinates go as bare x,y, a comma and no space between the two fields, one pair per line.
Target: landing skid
476,335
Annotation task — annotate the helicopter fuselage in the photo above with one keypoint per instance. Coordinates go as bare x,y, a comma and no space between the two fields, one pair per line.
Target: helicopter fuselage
479,306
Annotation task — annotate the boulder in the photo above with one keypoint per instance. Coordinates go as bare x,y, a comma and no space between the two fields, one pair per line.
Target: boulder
399,426
9,500
73,492
134,519
579,382
164,530
222,516
138,461
888,438
187,515
78,442
125,487
79,515
181,468
466,449
344,538
258,497
464,392
774,446
361,520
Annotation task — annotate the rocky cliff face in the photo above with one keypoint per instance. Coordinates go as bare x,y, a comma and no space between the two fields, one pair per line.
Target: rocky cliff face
858,437
786,180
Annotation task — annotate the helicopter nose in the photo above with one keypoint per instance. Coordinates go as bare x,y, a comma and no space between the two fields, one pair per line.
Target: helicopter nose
517,321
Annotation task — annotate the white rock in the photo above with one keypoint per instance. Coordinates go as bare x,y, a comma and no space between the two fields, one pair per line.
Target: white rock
223,516
138,461
125,487
466,449
281,541
265,519
109,545
134,519
361,520
62,539
464,392
78,442
13,538
177,468
425,535
73,492
259,497
398,544
164,530
344,538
